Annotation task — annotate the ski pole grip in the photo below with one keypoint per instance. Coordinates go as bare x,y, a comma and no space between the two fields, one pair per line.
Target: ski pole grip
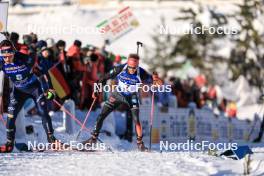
139,43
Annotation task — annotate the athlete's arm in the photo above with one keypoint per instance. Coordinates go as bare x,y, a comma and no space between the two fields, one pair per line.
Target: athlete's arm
145,76
150,79
112,74
29,60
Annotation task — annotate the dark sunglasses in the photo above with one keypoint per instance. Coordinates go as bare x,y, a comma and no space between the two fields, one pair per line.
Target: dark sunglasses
131,68
4,52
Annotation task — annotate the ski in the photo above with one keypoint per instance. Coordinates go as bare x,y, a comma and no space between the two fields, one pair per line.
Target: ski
22,147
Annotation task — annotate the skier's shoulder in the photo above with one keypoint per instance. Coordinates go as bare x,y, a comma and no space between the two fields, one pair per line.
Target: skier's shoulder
142,70
29,60
20,56
143,73
118,69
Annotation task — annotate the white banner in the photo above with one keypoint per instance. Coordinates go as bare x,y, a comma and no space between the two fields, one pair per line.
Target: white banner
181,124
118,25
3,16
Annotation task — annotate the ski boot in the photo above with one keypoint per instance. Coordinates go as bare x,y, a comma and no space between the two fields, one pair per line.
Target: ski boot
7,147
56,144
140,144
257,140
91,140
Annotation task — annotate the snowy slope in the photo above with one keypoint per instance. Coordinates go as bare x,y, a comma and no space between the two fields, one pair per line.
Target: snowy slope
125,160
117,164
123,164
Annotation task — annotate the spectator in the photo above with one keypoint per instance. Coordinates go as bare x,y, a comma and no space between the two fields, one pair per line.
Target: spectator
30,47
60,52
14,37
76,69
39,45
34,38
231,109
45,60
117,60
90,76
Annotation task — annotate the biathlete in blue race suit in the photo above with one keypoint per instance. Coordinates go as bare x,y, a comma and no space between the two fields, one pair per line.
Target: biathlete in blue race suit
19,68
128,76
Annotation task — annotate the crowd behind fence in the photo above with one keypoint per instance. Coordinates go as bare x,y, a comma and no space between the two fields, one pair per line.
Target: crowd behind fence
84,64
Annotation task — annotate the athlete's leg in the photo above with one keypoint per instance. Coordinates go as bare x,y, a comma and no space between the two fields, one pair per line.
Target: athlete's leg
110,105
134,108
16,102
42,107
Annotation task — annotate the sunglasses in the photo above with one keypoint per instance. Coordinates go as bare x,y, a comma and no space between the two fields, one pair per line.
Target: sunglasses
132,68
6,52
7,56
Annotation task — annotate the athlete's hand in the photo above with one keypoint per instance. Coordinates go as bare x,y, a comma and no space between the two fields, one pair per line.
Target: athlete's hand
156,80
50,94
95,95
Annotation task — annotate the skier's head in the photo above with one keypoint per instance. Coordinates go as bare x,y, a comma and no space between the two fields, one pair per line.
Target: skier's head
132,63
7,51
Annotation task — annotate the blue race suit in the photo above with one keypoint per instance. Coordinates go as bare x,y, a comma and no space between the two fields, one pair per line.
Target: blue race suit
25,85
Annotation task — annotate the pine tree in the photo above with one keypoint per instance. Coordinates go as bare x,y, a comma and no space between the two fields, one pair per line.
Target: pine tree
247,58
190,46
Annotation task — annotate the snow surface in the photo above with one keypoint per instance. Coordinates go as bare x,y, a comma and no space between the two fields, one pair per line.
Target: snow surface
125,160
124,163
117,164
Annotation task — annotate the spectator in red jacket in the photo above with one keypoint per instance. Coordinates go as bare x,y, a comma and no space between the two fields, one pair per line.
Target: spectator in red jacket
76,70
94,62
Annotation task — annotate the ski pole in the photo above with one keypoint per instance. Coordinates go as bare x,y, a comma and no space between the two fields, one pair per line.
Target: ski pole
83,125
139,44
70,114
2,119
151,119
61,106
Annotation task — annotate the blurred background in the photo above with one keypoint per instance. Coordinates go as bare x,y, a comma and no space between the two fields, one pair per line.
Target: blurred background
219,68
